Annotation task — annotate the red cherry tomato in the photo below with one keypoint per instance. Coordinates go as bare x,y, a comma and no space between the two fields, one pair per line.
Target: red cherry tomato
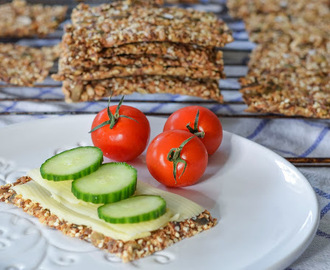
193,154
128,137
207,123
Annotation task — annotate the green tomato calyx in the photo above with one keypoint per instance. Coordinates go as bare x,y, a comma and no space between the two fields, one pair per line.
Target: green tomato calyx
194,130
113,118
174,156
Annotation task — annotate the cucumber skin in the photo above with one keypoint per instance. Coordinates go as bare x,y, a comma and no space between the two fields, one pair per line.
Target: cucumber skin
107,198
134,219
86,171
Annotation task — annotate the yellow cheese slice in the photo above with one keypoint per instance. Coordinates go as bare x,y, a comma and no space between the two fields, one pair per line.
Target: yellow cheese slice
61,191
36,193
58,198
58,189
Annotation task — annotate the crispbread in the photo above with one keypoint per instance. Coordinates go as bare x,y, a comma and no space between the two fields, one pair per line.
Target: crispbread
288,80
313,104
301,68
19,19
244,8
22,65
300,30
289,69
136,60
102,26
120,11
126,250
161,2
297,22
76,51
106,72
93,90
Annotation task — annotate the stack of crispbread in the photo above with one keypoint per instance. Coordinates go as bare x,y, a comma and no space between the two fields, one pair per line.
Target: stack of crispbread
20,19
289,71
121,48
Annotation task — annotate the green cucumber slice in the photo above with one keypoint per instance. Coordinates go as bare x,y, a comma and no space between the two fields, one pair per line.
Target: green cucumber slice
72,164
112,182
133,210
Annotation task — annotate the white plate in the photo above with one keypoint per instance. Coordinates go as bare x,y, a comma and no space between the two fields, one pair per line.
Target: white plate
267,211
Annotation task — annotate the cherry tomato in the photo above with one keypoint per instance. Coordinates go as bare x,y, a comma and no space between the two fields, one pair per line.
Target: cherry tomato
167,166
127,138
201,121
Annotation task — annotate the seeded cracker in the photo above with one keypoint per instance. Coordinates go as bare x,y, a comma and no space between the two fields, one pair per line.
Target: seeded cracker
105,72
94,90
112,25
278,64
126,250
263,28
75,52
138,61
289,71
73,62
25,66
20,19
246,8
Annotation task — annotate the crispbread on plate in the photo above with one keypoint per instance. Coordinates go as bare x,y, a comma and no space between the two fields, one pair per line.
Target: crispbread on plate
128,250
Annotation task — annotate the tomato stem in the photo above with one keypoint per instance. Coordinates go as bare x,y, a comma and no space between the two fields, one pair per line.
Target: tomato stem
195,130
174,156
113,118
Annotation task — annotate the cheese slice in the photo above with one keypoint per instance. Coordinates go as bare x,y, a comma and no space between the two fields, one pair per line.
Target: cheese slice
61,191
36,193
57,197
58,189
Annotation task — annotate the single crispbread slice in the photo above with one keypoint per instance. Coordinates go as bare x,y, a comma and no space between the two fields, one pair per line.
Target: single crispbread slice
76,50
106,72
123,9
133,210
120,11
72,164
288,29
289,70
112,25
286,80
246,8
20,19
68,66
26,66
128,250
314,104
112,182
93,90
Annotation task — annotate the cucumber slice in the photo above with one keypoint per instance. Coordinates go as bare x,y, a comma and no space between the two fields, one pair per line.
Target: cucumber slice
72,164
112,182
133,210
